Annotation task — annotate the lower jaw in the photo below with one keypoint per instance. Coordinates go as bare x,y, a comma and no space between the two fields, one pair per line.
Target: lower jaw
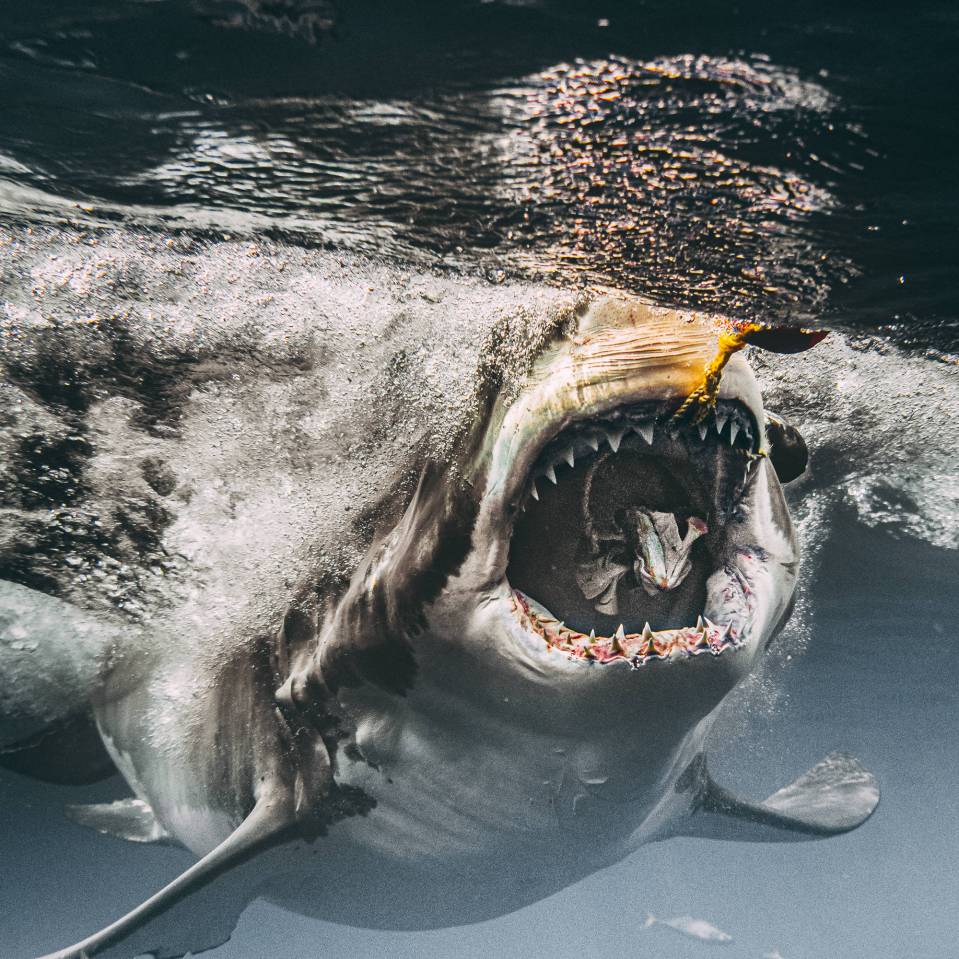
637,649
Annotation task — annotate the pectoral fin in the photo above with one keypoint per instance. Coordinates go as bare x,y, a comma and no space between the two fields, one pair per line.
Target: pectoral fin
200,908
130,819
835,796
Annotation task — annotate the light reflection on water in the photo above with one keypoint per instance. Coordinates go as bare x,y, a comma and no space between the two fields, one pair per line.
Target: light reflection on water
652,176
745,159
693,179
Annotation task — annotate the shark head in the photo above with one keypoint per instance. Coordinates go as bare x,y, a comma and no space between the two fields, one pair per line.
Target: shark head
585,543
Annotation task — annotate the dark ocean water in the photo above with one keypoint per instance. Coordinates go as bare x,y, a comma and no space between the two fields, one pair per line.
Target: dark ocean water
792,162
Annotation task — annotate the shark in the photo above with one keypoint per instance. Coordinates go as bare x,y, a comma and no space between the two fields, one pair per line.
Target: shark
510,680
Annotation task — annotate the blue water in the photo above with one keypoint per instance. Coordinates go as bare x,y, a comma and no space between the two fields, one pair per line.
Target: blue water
878,679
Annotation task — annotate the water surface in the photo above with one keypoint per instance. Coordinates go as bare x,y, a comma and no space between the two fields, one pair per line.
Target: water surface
790,161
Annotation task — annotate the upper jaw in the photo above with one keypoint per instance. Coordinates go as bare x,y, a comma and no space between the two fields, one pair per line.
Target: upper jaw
609,409
650,428
518,449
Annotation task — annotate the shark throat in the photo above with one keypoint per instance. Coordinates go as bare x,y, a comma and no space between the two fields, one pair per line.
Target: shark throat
623,524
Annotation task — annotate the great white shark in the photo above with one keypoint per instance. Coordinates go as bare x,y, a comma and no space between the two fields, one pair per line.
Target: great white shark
512,689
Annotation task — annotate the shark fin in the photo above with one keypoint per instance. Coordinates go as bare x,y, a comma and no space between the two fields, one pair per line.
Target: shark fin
200,908
130,819
835,796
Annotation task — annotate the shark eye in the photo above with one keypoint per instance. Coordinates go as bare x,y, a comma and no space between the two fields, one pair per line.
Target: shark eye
787,449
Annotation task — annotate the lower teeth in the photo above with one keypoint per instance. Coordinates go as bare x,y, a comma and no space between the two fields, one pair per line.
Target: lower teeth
637,648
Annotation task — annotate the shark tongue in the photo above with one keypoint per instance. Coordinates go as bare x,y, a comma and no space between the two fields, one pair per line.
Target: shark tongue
651,553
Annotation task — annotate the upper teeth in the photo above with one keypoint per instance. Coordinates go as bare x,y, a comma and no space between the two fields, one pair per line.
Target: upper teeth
614,438
646,430
589,440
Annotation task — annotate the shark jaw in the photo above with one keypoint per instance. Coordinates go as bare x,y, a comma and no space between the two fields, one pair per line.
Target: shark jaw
637,649
624,523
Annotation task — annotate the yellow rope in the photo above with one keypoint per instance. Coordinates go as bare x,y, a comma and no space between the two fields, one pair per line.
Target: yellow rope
704,397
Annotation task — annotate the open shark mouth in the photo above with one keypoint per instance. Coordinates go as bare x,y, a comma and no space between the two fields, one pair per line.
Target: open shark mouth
619,551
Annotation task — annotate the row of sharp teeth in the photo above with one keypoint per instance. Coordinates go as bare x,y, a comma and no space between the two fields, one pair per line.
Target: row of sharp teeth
637,648
589,442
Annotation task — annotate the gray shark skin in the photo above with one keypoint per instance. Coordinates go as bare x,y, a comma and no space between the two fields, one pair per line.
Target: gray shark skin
331,664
